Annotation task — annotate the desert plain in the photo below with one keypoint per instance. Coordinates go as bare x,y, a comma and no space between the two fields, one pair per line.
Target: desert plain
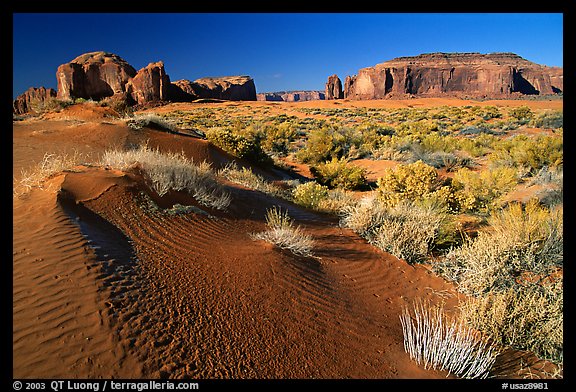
113,280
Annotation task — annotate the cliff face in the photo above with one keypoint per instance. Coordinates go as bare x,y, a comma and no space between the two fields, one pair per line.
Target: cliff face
98,75
334,88
457,74
26,101
291,96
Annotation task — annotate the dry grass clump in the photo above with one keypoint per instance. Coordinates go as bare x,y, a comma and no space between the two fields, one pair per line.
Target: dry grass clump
150,120
249,179
408,230
171,171
436,342
48,166
282,233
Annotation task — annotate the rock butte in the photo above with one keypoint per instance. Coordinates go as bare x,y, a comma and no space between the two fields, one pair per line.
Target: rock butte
99,75
495,75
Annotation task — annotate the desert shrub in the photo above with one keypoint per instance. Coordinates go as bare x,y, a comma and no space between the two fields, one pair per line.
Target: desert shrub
336,201
549,120
150,120
245,146
522,239
249,179
521,113
408,230
531,152
528,319
282,233
512,274
277,138
482,190
49,105
419,127
326,143
415,182
339,173
435,341
171,171
310,194
476,130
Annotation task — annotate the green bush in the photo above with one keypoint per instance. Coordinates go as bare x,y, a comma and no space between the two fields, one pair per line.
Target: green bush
521,113
415,182
310,194
533,152
339,173
549,120
242,146
480,191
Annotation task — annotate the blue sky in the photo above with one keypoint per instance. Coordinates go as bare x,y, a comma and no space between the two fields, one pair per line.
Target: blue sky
281,51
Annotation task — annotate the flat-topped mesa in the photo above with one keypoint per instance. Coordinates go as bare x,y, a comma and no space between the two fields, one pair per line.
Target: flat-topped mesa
291,96
93,75
455,74
231,88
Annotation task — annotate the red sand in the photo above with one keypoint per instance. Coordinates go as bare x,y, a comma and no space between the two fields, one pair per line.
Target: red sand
104,287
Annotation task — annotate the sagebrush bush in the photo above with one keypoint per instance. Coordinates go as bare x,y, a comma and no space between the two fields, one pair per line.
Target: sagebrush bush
549,120
415,182
239,145
513,276
480,191
150,120
249,179
435,341
310,194
339,173
527,319
282,233
171,171
407,230
49,165
533,152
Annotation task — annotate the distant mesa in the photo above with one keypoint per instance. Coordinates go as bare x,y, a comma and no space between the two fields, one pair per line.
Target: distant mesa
231,88
100,75
291,96
494,75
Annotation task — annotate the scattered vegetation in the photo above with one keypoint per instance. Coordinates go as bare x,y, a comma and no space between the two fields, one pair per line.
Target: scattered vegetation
434,341
150,120
282,233
172,172
50,164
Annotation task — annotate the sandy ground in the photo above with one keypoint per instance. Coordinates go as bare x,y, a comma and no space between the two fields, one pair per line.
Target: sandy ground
105,287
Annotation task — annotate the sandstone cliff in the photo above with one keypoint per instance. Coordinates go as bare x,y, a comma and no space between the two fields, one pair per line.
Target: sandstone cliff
31,99
93,75
457,74
291,96
99,75
334,88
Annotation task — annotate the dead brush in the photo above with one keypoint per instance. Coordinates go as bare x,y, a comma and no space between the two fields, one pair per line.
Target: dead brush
434,341
282,233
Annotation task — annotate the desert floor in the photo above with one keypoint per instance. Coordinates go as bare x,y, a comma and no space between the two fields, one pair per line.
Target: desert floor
106,287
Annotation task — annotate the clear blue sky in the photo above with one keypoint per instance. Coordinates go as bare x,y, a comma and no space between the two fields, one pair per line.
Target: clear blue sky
281,51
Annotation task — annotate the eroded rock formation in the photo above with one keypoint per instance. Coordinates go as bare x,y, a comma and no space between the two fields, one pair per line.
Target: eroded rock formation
31,99
334,88
457,74
150,84
93,75
291,96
